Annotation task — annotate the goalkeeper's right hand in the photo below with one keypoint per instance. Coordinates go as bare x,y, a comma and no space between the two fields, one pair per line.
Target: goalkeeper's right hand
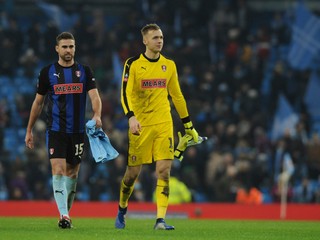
182,145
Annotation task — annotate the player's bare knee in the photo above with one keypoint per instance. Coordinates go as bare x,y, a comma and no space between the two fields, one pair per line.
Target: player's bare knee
163,174
129,179
57,170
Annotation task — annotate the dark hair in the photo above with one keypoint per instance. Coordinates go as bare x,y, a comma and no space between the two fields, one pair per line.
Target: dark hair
148,27
64,35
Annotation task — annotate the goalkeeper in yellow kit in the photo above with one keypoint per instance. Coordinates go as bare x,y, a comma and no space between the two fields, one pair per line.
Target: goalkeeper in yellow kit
147,81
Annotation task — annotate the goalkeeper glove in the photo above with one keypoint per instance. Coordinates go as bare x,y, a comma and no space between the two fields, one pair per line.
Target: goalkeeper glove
191,142
182,145
189,129
184,142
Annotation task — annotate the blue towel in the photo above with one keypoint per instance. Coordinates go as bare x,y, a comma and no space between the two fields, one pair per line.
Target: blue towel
101,148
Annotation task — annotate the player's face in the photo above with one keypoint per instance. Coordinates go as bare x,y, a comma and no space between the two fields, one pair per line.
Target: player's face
154,40
66,50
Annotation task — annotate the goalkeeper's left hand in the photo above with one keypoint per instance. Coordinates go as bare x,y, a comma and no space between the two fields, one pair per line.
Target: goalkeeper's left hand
182,145
189,129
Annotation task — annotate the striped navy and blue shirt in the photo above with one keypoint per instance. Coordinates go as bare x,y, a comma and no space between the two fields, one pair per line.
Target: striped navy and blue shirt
66,89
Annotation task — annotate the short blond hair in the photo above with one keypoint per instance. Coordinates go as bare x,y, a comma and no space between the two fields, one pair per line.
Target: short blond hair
149,27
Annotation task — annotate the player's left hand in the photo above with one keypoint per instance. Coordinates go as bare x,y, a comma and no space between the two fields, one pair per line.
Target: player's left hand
191,131
182,145
98,122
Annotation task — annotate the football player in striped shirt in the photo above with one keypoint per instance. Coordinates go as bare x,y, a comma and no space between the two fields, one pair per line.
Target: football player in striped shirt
65,85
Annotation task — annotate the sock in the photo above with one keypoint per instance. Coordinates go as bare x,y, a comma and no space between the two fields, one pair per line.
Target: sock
60,194
162,196
125,193
71,185
123,210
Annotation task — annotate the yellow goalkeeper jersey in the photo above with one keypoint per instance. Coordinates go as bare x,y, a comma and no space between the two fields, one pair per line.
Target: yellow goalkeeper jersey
146,85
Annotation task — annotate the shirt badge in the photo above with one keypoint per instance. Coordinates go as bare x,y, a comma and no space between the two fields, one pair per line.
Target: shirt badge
51,151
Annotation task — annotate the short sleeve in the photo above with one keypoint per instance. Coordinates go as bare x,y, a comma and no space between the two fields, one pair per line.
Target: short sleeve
91,81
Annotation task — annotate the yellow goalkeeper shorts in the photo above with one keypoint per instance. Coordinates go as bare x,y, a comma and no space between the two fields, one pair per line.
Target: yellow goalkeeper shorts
154,143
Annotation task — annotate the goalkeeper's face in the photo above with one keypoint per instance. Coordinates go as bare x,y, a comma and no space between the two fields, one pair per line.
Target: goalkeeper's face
154,40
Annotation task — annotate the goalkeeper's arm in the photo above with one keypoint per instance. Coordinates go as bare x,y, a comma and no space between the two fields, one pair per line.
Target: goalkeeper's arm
189,129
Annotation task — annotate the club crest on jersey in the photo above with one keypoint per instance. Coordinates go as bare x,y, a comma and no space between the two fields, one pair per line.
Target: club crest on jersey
164,68
51,151
78,73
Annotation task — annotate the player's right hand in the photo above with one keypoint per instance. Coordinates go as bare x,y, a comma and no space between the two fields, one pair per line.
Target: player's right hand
29,140
134,126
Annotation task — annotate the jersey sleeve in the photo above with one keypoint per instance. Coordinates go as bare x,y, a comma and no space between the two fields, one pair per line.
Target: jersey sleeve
126,88
176,94
91,81
43,81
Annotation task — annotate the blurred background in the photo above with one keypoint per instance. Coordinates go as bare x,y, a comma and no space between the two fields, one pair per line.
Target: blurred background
249,70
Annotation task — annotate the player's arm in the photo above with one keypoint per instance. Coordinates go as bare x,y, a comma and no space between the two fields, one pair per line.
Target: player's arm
127,88
96,106
35,112
37,105
94,96
181,106
177,97
126,97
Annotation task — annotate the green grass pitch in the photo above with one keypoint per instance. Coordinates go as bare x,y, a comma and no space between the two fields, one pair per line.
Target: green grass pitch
37,228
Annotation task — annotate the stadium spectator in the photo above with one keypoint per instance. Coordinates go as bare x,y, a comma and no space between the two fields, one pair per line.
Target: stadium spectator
221,177
4,194
304,192
7,58
29,62
18,186
249,196
313,155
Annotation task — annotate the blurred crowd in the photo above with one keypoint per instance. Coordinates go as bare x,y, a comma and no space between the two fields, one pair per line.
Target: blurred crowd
223,51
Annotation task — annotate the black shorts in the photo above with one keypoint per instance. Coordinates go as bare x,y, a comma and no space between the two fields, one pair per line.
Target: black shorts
65,145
